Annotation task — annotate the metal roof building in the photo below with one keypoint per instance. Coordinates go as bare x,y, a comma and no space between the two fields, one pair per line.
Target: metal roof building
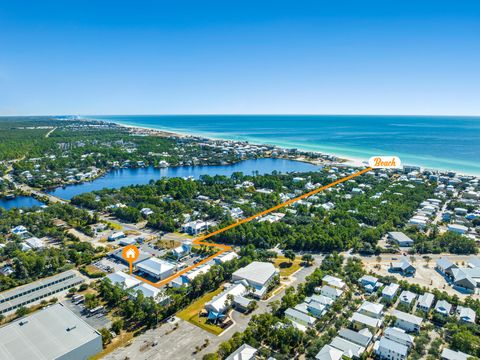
25,295
54,332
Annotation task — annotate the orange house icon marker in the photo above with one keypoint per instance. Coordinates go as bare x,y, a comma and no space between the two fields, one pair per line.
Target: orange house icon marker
130,253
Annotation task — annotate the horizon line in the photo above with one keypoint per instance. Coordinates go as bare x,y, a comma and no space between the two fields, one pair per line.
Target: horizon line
249,114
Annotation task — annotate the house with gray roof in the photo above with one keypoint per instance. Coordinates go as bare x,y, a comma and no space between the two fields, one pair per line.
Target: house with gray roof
400,239
466,278
389,349
370,283
404,266
361,338
350,350
406,321
474,262
445,266
299,317
399,336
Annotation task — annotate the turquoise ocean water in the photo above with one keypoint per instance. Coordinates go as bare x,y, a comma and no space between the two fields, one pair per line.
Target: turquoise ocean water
448,143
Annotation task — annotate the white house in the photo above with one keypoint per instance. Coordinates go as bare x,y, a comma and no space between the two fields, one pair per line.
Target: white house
331,292
406,321
443,307
334,282
389,349
425,302
371,309
407,297
466,314
389,292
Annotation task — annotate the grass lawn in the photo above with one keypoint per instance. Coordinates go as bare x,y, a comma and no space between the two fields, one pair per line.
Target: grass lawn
287,268
191,313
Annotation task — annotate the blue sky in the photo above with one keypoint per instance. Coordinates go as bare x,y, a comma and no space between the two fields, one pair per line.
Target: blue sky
240,57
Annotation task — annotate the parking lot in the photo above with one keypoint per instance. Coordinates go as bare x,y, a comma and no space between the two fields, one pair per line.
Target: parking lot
110,265
97,321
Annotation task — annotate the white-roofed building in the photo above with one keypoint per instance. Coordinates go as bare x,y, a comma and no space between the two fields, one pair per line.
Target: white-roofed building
150,291
400,239
54,332
443,307
399,336
182,250
425,302
258,275
187,278
329,353
334,281
331,292
457,228
362,337
361,321
227,256
448,354
123,280
320,299
19,230
156,268
406,321
465,314
300,318
350,349
371,309
219,304
445,266
407,297
389,292
35,243
389,349
244,352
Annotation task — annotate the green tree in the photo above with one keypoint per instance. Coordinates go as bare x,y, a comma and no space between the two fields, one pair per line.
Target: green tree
106,336
289,254
307,259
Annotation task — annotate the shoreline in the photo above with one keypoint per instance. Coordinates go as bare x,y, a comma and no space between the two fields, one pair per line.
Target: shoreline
347,160
342,160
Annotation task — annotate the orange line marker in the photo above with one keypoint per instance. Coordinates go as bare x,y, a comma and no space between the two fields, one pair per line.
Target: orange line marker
225,248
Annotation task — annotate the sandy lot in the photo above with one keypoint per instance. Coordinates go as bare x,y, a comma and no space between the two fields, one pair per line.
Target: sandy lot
426,274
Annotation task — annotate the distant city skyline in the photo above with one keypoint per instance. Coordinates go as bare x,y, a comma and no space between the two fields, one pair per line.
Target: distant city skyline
217,57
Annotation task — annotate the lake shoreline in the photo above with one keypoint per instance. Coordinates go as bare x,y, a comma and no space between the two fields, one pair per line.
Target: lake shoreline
343,160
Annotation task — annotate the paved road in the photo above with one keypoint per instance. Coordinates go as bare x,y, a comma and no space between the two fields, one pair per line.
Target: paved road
180,344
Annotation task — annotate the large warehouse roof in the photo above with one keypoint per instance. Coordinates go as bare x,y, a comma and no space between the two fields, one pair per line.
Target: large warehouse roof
258,272
44,335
